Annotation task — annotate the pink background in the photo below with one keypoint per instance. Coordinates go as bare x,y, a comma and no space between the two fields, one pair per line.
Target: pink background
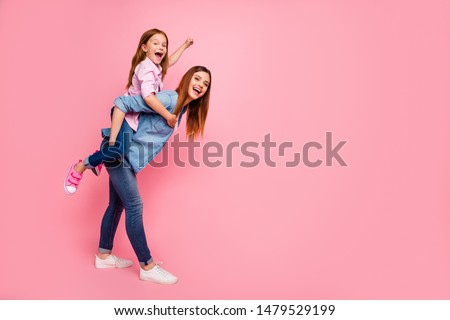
375,73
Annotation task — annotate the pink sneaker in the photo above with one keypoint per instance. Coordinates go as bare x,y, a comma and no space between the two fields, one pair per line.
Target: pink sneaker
98,169
72,180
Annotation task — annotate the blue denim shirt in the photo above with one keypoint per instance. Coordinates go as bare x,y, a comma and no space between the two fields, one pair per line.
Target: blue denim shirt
152,132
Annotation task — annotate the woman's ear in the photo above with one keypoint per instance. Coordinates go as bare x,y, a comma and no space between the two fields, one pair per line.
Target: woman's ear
144,47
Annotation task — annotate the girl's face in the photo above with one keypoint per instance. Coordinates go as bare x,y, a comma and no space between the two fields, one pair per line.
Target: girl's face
199,85
156,48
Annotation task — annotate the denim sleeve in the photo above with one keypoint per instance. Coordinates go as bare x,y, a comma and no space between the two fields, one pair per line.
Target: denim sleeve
165,98
132,104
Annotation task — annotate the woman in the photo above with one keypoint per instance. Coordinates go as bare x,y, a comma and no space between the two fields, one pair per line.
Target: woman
192,95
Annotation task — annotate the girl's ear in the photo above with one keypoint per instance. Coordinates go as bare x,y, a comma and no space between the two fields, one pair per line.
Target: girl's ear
144,47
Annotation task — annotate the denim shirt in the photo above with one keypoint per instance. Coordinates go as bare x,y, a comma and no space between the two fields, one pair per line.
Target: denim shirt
153,131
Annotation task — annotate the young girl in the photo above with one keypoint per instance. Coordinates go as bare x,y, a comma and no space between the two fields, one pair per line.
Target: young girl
191,96
148,68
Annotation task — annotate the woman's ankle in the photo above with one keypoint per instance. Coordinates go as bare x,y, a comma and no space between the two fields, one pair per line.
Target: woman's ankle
103,255
149,266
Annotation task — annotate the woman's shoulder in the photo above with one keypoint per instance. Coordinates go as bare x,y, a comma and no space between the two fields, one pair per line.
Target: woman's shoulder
167,93
167,97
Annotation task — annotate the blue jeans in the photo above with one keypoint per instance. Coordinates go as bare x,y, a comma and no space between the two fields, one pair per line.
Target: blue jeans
111,154
124,194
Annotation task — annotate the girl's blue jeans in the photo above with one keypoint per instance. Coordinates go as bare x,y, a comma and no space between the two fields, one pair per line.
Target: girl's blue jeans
111,154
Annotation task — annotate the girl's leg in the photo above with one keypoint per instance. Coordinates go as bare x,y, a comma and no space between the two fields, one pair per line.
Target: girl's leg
107,154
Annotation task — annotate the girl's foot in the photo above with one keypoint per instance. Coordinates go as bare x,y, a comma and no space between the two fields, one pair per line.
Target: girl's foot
73,179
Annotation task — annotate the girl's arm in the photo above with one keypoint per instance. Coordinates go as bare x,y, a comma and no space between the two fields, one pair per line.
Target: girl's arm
150,103
153,102
116,122
174,57
125,104
147,77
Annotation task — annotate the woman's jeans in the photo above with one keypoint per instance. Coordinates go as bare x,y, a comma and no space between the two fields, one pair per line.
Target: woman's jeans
124,194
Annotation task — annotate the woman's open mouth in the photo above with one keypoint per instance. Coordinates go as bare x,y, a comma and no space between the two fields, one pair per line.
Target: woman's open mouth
197,90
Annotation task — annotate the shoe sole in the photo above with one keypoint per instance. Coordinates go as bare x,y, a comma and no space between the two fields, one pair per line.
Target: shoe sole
163,283
111,267
154,281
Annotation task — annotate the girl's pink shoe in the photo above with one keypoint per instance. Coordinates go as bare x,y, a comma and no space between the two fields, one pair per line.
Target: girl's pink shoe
72,180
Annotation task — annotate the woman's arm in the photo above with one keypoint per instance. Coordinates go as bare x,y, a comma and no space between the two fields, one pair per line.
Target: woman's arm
174,57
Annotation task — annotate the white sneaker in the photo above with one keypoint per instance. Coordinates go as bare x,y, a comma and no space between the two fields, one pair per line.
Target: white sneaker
112,262
158,275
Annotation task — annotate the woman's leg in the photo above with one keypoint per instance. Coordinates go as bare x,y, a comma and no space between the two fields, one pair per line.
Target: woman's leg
124,182
110,221
123,185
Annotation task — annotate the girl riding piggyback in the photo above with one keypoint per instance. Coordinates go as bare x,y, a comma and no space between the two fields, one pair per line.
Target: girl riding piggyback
148,68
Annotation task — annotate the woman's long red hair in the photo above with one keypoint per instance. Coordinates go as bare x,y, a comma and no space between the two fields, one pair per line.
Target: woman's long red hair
197,109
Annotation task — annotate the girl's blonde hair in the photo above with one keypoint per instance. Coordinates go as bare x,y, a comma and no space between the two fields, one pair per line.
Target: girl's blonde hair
197,109
139,56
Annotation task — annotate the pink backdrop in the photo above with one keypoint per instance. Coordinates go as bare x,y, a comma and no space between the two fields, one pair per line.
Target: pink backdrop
375,73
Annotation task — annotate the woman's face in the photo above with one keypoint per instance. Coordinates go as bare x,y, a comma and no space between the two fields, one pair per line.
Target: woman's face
199,85
156,48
